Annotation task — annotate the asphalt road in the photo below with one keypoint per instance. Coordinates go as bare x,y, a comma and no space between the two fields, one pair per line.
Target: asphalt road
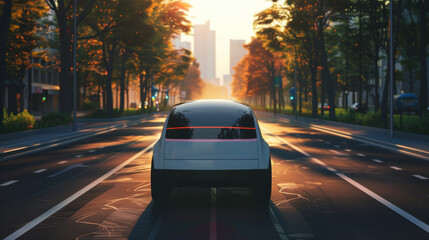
324,187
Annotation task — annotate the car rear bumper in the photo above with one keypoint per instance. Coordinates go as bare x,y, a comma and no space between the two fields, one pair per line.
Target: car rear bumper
210,178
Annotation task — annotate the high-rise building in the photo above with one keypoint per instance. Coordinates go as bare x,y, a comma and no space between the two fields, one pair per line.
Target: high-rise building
205,51
178,43
236,53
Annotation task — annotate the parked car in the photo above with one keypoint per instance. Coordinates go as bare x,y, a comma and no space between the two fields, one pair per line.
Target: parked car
211,143
356,107
326,106
406,102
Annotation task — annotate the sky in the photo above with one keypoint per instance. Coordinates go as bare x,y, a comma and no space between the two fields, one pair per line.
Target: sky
231,19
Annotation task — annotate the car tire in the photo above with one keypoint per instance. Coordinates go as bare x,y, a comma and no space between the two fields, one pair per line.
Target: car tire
160,190
263,190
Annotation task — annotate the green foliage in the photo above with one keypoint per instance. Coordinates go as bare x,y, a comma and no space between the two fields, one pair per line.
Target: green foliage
102,113
53,119
89,106
20,122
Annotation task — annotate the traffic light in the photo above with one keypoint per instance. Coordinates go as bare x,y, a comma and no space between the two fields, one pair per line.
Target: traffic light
166,94
153,98
292,98
44,95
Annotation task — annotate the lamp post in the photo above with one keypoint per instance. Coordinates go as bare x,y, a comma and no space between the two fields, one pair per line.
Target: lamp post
391,67
74,128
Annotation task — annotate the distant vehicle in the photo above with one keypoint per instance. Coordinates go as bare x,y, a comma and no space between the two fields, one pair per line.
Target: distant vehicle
356,107
326,106
211,143
407,102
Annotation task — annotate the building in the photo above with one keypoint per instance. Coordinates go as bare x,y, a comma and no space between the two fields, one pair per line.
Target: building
179,44
236,53
205,51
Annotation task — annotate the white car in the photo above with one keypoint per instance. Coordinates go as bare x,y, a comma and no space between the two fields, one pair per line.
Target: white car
211,143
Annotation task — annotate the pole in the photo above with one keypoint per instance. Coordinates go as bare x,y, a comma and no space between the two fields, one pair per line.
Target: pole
74,128
391,67
295,97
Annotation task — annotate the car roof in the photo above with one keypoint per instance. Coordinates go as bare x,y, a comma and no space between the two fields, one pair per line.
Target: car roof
210,104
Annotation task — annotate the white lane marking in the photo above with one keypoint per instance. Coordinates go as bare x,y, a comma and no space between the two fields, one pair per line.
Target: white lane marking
15,149
78,156
361,155
155,229
335,152
370,193
36,144
327,143
420,177
62,162
8,183
277,225
91,151
102,147
377,161
213,218
337,146
347,150
67,169
40,170
27,227
396,168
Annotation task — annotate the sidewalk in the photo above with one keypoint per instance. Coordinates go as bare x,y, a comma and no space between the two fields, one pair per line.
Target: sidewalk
409,143
21,143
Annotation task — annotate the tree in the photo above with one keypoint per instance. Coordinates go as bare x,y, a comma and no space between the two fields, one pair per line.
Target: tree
4,30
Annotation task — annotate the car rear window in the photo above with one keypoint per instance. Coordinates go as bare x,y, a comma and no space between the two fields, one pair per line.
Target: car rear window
211,124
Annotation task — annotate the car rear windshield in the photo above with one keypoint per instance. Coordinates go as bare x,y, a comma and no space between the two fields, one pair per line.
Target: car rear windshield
211,124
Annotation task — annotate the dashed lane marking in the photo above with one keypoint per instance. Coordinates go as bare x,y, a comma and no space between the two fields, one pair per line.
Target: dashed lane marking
347,150
335,152
213,218
424,226
420,177
377,161
8,183
361,155
337,146
396,168
91,151
40,170
62,162
78,156
27,227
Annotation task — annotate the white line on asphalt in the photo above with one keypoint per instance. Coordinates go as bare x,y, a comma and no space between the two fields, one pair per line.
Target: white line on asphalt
370,193
15,149
155,229
377,161
327,142
36,144
8,183
396,168
420,177
213,219
91,151
78,156
336,152
62,162
277,225
40,170
337,146
347,150
27,227
102,147
361,155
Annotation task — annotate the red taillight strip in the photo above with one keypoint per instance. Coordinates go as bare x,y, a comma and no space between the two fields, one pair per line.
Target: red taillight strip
211,127
210,140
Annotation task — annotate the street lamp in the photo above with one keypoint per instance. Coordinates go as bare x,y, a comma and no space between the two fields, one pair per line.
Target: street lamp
74,128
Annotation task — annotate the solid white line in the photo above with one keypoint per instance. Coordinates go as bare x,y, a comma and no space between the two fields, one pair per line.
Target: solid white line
73,197
361,155
277,225
420,177
8,183
377,161
62,162
78,156
370,193
396,168
155,229
213,218
40,170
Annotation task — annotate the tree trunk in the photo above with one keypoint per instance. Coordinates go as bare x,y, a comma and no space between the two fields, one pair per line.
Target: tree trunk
326,76
4,29
122,81
377,95
423,6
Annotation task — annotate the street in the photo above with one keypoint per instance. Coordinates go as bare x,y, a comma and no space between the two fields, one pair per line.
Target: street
325,186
